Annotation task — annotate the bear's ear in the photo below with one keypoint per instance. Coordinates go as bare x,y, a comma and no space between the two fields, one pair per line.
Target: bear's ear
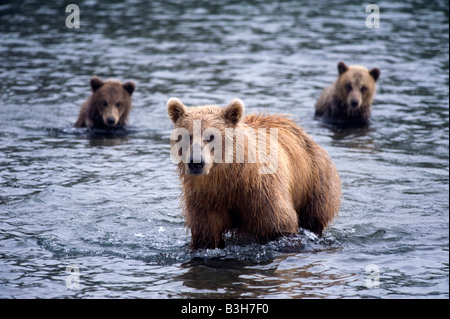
233,112
342,67
96,83
176,109
375,73
129,87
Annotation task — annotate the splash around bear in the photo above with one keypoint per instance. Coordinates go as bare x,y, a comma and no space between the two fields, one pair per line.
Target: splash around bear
108,106
348,102
257,175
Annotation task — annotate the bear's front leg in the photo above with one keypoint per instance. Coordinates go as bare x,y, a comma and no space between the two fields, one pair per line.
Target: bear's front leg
207,229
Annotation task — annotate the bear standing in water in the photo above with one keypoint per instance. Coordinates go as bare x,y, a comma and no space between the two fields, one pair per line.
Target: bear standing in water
348,102
108,106
232,189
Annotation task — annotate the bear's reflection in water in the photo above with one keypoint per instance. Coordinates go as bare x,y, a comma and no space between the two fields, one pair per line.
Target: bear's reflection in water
112,137
270,271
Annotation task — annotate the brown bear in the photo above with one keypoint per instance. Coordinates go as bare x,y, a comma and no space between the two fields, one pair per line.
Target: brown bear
348,102
109,105
235,188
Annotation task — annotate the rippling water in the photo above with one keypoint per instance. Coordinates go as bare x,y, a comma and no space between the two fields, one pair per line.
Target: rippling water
106,207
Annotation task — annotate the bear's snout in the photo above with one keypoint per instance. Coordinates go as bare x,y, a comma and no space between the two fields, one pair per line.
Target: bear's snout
196,168
354,103
110,121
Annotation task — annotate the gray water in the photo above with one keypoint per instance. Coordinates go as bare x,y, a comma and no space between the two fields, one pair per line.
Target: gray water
97,216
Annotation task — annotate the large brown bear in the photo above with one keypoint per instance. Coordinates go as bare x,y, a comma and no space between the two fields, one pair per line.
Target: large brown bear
108,106
237,189
348,102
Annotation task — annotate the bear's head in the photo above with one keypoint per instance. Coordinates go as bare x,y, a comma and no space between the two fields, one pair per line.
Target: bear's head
356,86
198,139
110,102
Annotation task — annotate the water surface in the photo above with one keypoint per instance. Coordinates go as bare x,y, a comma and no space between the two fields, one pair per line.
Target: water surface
106,207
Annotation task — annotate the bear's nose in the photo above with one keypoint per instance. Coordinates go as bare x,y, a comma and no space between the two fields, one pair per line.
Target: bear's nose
110,120
354,103
196,168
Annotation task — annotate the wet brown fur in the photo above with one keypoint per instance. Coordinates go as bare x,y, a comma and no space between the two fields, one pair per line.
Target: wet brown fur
354,84
110,99
305,190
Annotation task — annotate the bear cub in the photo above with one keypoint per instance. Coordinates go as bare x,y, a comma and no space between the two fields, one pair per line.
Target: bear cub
109,105
230,183
348,102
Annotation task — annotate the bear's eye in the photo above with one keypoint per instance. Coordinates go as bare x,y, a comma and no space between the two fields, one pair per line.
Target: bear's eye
363,89
348,87
105,103
118,104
